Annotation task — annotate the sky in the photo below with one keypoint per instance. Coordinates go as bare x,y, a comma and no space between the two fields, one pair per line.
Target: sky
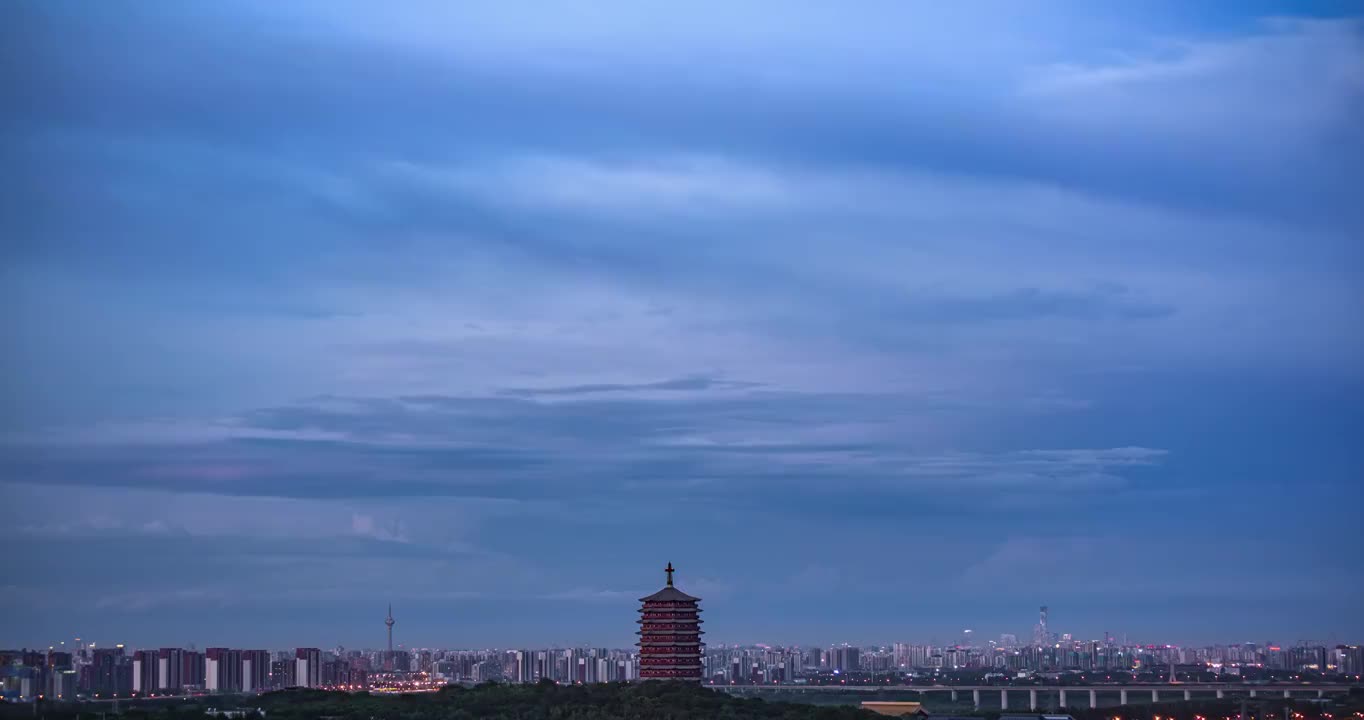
879,321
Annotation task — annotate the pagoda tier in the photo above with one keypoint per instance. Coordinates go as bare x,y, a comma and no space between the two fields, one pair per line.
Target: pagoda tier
670,632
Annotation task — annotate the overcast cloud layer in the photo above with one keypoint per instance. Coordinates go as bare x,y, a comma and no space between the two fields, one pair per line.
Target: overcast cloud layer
879,322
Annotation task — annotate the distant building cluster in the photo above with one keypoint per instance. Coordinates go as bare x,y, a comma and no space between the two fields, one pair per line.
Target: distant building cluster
117,672
670,647
95,672
571,665
764,665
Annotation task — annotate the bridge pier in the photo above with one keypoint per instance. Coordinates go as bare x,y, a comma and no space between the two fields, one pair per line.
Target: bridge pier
1032,700
1286,694
1003,699
1188,695
1220,693
975,698
1093,700
1063,699
1122,697
1321,693
1252,693
1155,696
954,696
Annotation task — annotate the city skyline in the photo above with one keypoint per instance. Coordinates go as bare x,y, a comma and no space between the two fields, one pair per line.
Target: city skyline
672,646
965,637
1089,670
879,322
986,643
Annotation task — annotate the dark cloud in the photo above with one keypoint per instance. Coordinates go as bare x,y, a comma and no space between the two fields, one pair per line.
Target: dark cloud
756,444
460,108
828,294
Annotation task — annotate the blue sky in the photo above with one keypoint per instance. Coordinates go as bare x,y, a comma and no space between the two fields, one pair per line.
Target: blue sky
878,321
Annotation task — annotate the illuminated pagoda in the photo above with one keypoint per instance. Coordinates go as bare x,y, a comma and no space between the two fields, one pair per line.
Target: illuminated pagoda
670,635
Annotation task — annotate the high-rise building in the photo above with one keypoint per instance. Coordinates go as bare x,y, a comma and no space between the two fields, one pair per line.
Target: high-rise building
282,673
192,670
845,659
63,684
255,670
335,673
525,666
169,669
144,672
670,634
308,667
222,670
1350,659
110,672
1040,635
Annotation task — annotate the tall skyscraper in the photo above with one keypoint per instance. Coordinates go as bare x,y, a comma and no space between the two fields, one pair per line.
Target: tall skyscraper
670,634
1041,636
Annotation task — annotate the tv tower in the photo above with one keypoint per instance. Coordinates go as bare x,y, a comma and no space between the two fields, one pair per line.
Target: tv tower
389,622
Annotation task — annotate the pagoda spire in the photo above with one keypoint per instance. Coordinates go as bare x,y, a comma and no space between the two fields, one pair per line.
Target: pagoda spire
670,572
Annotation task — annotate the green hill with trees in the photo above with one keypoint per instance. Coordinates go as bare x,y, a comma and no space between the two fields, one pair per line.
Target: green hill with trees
611,701
543,701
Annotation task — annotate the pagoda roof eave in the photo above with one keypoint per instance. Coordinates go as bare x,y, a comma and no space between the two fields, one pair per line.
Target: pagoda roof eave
670,593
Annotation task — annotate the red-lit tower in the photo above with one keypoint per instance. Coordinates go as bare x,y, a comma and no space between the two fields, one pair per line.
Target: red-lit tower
670,635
